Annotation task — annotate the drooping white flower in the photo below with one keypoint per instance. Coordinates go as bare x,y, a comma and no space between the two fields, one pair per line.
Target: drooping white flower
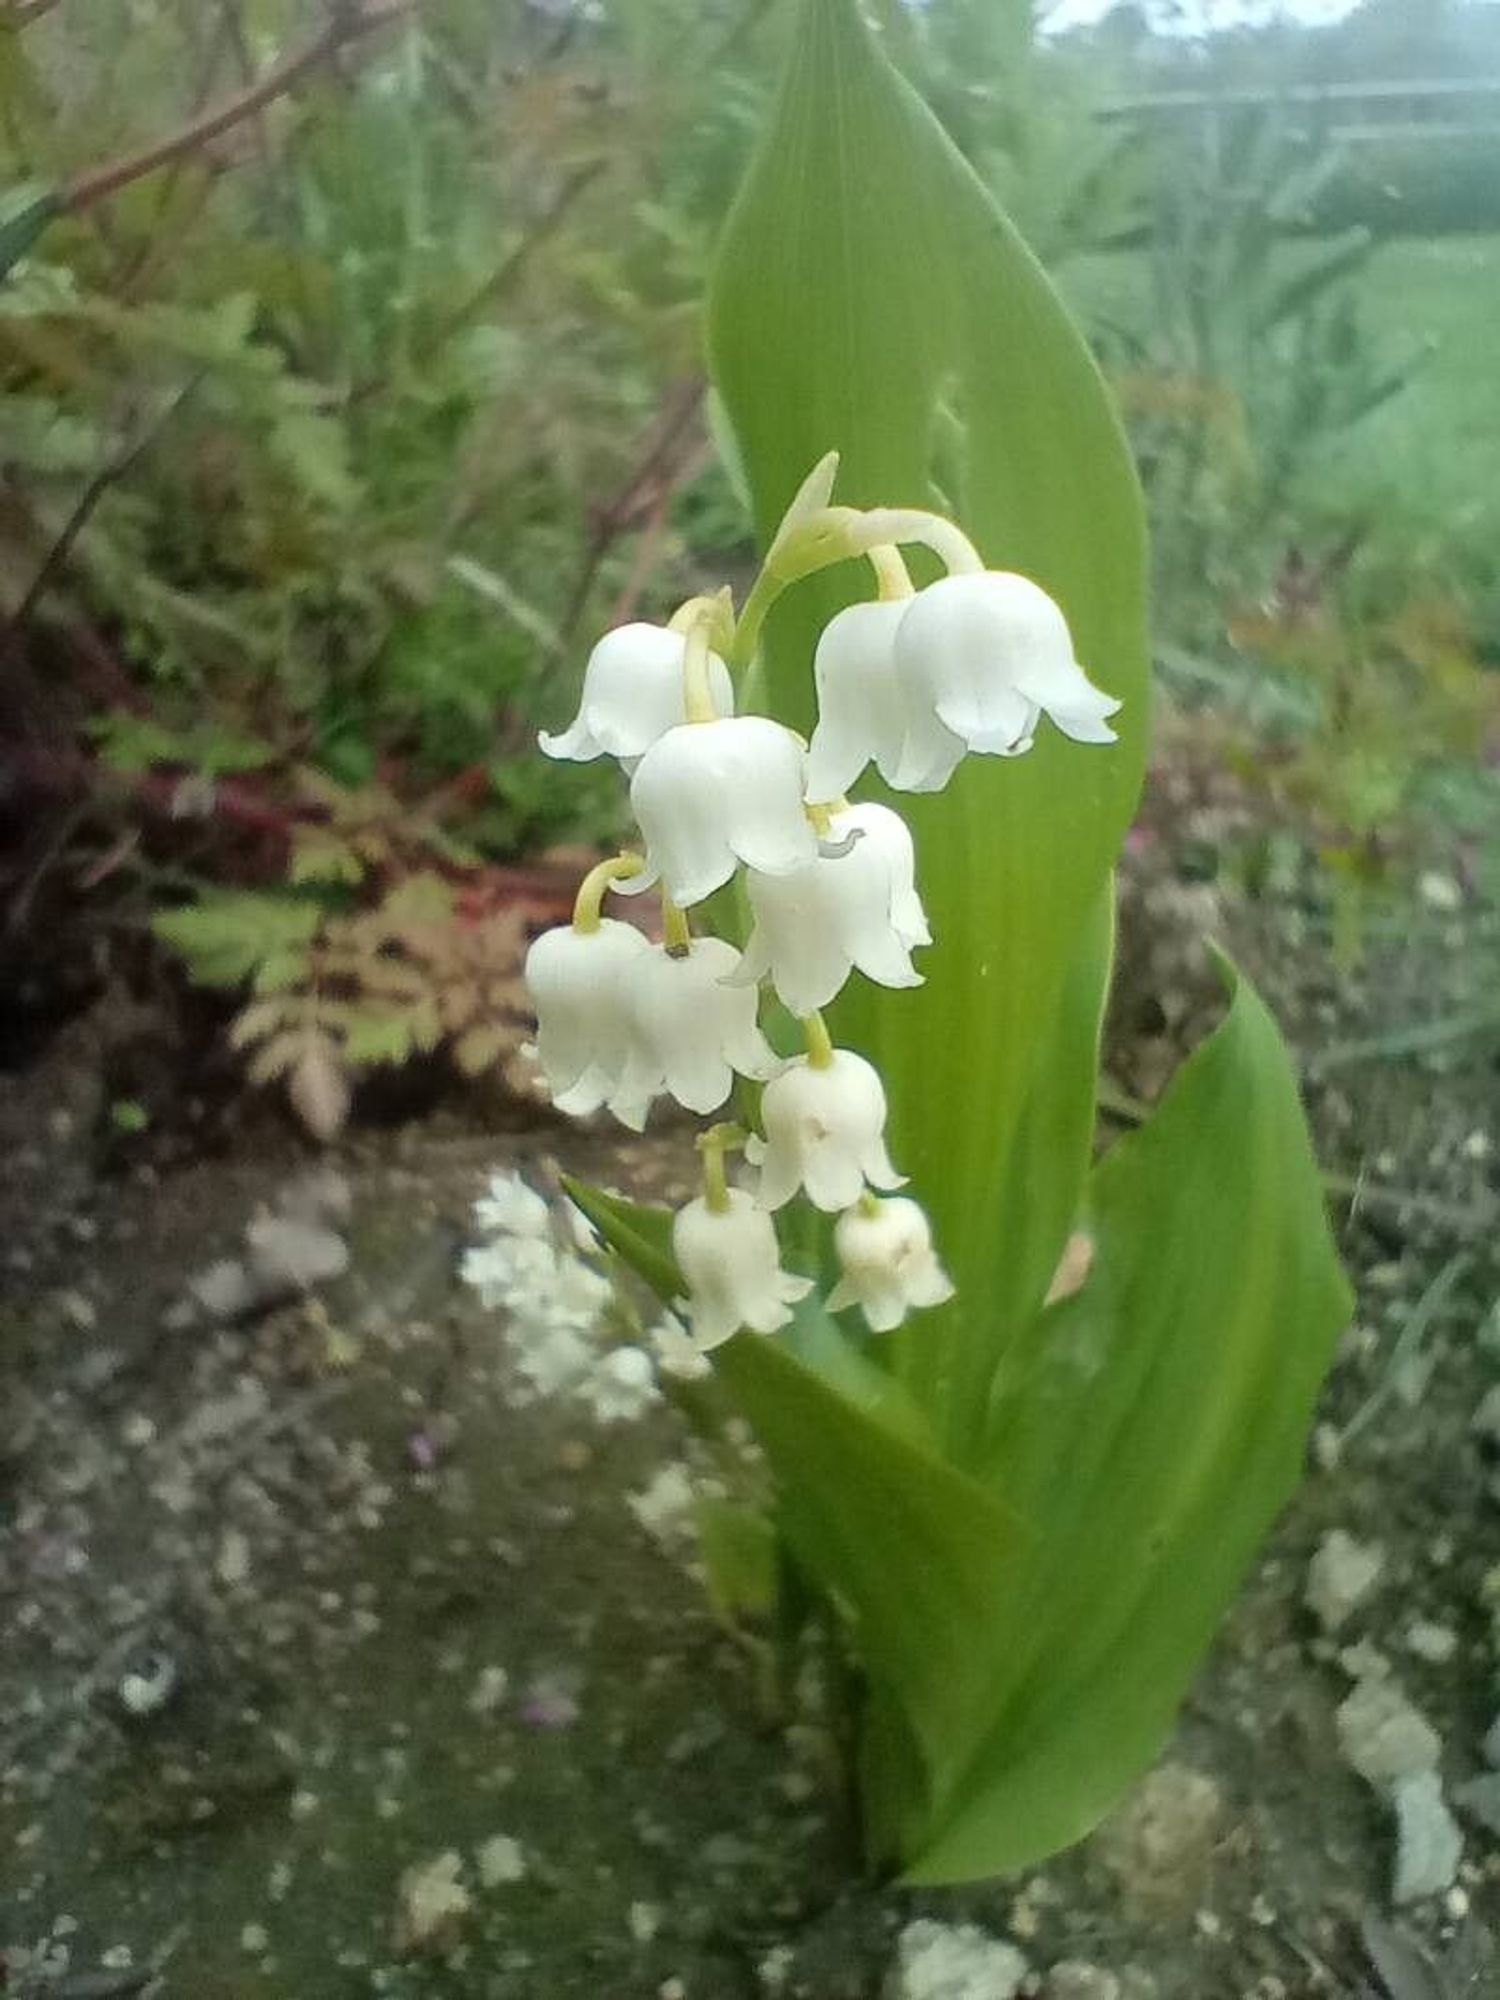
532,1279
575,977
676,1354
862,716
889,1265
510,1206
732,1265
633,692
622,1386
709,795
689,1032
979,659
825,1132
858,907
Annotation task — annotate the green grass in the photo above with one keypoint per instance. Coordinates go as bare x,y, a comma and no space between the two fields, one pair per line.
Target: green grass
1420,476
1435,448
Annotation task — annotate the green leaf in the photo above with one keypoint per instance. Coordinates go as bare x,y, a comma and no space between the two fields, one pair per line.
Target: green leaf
911,1547
230,937
740,1556
372,1038
641,1235
422,898
24,214
870,298
321,855
135,743
1149,1431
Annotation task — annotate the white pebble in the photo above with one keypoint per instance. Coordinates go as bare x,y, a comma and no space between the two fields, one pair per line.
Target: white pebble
1429,1845
488,1691
1341,1575
1434,1643
500,1861
954,1962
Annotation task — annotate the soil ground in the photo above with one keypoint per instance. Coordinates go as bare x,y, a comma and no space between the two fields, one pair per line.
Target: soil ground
324,1529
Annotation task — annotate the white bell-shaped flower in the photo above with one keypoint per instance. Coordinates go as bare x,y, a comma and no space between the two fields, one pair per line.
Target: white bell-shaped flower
709,795
825,1132
862,716
732,1264
856,905
576,979
689,1031
633,692
885,1252
979,658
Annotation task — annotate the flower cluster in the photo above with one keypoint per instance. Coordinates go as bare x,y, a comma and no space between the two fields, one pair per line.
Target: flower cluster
911,682
560,1308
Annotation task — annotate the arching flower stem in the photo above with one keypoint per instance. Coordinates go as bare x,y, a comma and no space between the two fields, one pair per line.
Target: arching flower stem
948,543
588,905
840,534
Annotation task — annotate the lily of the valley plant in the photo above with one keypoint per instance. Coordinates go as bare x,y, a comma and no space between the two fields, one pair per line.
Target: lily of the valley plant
1027,1412
971,663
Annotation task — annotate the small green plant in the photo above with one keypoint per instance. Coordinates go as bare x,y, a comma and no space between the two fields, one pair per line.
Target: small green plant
1024,1508
1248,360
367,958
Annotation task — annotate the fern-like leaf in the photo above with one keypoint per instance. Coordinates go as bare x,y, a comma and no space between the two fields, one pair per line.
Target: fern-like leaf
229,937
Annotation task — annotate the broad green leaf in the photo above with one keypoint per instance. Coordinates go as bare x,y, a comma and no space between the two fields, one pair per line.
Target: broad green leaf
870,298
909,1546
641,1235
739,1551
1150,1429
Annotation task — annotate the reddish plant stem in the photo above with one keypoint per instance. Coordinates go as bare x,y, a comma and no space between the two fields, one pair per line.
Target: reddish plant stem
345,25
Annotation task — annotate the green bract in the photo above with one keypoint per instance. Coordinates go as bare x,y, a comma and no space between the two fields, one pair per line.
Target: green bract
1029,1517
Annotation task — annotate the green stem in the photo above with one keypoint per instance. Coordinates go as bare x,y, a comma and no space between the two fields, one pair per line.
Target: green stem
678,931
892,577
948,543
713,1145
819,1042
588,905
763,594
698,694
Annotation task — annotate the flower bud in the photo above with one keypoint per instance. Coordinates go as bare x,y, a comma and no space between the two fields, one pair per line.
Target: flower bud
885,1252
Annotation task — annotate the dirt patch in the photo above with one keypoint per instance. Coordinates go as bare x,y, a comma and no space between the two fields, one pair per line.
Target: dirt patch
335,1665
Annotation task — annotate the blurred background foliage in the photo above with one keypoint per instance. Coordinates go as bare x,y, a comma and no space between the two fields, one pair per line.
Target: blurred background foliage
330,444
